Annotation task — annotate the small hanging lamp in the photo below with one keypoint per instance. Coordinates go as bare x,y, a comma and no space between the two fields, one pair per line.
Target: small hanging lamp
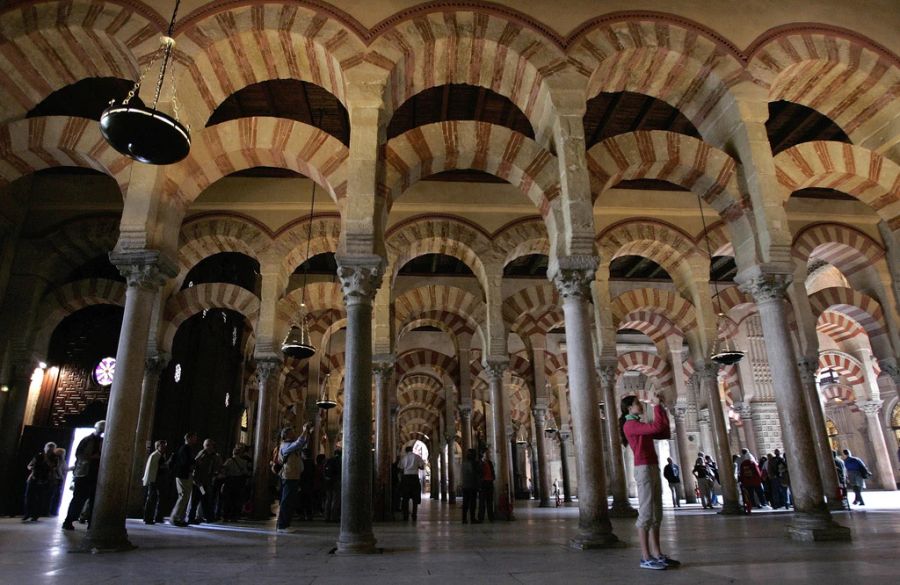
325,402
298,344
723,350
143,132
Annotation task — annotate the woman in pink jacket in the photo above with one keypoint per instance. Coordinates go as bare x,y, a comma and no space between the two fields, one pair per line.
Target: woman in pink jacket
640,436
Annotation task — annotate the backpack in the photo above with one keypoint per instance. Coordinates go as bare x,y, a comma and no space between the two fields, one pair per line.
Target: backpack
276,464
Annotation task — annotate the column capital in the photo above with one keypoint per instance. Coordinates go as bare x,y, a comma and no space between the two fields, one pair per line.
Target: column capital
574,276
266,368
767,288
870,407
890,369
144,269
680,410
465,410
743,409
607,374
383,367
540,416
496,368
709,371
564,435
360,278
808,366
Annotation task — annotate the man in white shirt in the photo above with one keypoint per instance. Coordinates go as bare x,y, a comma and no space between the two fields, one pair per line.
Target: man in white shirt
156,472
410,488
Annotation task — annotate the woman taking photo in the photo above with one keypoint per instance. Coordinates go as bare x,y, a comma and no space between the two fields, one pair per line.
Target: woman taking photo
640,436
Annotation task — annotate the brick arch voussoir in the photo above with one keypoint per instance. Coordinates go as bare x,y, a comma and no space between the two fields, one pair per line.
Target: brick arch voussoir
190,301
49,45
225,148
673,307
857,171
646,363
844,364
838,326
74,243
842,246
855,305
521,238
34,144
322,235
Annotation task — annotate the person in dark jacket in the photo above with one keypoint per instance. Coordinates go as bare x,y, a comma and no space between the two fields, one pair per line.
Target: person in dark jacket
672,473
207,465
486,476
182,466
857,474
87,470
332,477
37,486
470,472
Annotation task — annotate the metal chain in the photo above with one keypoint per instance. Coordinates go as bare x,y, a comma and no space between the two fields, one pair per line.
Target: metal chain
137,84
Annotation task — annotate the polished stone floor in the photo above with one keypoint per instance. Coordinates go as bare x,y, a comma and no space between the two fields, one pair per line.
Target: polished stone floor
439,549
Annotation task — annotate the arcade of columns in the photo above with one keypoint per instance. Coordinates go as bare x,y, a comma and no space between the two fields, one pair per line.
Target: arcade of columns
810,296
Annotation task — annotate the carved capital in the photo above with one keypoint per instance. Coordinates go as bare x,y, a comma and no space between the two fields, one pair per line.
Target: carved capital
892,370
266,368
540,417
808,367
743,409
465,413
144,269
709,371
607,375
156,363
495,369
767,288
383,370
680,411
870,407
574,282
360,281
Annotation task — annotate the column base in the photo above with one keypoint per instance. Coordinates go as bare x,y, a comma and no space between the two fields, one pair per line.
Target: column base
357,545
817,527
622,510
731,509
835,505
546,504
105,541
596,541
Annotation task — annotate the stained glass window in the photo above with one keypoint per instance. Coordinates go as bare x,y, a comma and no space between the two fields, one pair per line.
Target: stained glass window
105,371
177,373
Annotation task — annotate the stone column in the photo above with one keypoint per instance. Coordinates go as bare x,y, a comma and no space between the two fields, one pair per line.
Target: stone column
383,371
824,459
573,283
709,378
621,507
543,466
465,421
685,458
706,440
451,479
745,411
883,468
11,428
435,491
266,379
564,437
145,272
502,489
143,439
812,520
359,282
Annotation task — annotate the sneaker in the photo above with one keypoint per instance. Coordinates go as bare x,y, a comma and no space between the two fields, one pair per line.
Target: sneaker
653,564
669,563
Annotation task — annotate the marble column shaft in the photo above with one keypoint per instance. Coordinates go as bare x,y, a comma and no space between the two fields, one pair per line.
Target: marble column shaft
812,520
143,439
543,465
359,282
824,459
144,272
685,458
882,468
564,437
383,371
502,489
465,422
595,529
266,370
709,378
621,507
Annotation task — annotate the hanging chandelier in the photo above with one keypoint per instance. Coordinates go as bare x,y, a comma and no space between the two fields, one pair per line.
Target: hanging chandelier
723,350
144,133
298,344
325,402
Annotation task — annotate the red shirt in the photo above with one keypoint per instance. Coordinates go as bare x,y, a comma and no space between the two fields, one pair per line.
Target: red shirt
640,436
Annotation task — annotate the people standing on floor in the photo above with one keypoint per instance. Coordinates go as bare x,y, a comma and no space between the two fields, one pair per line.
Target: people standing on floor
235,474
486,488
857,474
291,468
57,482
319,485
156,473
841,471
639,435
714,474
411,489
750,480
672,473
470,473
704,481
766,482
396,479
207,464
86,472
37,487
333,487
182,466
777,471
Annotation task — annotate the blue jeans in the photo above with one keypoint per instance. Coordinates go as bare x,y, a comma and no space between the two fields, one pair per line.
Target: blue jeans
288,497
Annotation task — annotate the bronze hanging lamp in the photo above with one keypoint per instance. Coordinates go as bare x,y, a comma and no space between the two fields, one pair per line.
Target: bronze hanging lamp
143,132
723,350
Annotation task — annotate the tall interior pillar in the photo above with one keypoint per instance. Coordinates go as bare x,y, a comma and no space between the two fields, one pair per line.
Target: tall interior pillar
883,468
543,465
383,371
594,526
143,439
144,271
359,282
502,492
824,459
811,521
709,378
263,436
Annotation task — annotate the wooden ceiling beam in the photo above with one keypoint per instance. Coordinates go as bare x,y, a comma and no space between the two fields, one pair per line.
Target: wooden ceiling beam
605,118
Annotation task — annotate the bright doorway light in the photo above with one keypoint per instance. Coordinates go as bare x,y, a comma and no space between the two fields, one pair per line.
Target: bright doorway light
70,476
